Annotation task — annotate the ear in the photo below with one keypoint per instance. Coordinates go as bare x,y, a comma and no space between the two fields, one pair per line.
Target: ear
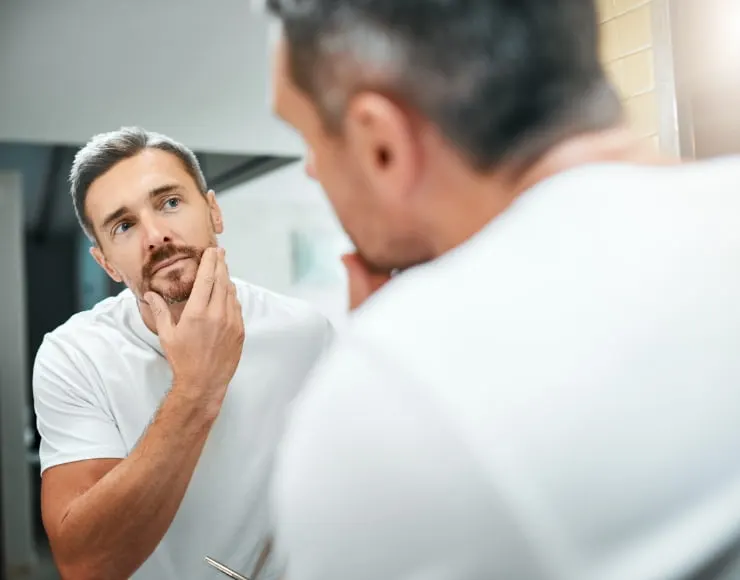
216,216
380,136
97,254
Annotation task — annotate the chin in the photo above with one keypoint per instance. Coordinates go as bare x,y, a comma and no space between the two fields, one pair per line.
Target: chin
177,294
174,291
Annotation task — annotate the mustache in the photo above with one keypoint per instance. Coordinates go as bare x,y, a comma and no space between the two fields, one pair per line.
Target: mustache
167,251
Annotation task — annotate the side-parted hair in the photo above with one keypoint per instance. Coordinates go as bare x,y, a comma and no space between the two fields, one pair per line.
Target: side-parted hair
105,150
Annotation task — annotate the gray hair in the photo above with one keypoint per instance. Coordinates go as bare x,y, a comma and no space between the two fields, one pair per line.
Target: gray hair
502,79
105,150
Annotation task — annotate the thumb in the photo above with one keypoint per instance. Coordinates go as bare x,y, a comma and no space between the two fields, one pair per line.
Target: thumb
160,311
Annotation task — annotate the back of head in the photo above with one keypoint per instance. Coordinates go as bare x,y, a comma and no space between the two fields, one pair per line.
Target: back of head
502,79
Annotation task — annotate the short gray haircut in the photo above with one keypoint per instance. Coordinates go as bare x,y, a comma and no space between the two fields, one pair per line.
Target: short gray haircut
105,150
503,80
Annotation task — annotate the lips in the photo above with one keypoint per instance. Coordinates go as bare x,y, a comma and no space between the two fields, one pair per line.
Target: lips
167,262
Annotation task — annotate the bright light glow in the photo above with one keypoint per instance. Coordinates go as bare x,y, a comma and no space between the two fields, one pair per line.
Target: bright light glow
723,39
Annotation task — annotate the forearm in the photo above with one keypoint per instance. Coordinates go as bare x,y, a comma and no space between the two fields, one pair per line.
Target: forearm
115,526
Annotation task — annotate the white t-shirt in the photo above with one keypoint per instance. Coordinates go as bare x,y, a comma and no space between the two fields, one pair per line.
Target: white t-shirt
558,398
100,377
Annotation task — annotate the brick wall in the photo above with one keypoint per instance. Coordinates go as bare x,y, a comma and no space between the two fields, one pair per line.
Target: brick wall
627,54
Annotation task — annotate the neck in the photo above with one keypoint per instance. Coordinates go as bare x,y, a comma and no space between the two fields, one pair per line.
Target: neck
148,317
478,198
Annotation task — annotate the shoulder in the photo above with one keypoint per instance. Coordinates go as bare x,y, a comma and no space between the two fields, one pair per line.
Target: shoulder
105,316
522,275
78,339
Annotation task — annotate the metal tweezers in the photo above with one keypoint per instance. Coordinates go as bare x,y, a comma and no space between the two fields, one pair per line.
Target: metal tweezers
233,574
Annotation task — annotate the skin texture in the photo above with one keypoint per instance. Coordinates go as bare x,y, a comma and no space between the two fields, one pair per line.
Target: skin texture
159,214
104,517
362,280
402,192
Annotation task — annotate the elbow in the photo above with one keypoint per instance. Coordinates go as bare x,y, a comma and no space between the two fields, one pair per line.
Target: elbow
69,573
75,561
83,566
71,566
87,564
78,571
85,571
73,572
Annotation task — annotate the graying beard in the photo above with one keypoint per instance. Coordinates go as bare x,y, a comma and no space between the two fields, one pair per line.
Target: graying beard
172,301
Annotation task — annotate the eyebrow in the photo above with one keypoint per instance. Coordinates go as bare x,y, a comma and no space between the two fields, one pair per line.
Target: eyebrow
153,194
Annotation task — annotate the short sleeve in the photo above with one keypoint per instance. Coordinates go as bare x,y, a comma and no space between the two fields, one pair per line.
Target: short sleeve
72,420
372,483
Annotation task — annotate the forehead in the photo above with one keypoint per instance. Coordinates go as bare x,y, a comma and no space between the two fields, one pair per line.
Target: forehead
129,181
288,101
280,80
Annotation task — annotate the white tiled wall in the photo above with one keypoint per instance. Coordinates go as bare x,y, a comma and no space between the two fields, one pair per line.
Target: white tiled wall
627,54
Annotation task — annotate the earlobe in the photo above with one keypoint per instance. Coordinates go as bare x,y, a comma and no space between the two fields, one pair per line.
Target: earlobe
105,265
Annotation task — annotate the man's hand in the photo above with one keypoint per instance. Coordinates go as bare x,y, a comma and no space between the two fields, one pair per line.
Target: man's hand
363,282
205,346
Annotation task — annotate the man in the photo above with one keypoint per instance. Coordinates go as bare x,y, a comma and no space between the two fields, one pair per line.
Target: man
551,387
158,418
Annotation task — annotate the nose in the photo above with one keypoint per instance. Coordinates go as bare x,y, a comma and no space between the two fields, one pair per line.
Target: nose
155,232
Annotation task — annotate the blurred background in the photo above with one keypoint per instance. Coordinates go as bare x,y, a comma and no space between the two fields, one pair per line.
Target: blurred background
199,72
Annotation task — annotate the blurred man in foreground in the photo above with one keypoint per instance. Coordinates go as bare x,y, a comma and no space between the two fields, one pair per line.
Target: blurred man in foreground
551,389
160,409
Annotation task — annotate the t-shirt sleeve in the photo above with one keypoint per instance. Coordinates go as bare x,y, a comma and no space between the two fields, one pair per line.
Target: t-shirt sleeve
72,420
372,482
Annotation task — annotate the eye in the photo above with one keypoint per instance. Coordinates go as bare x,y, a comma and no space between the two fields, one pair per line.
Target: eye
121,228
172,203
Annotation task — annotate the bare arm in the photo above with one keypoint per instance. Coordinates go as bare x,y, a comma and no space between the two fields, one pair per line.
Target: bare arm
104,518
110,528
